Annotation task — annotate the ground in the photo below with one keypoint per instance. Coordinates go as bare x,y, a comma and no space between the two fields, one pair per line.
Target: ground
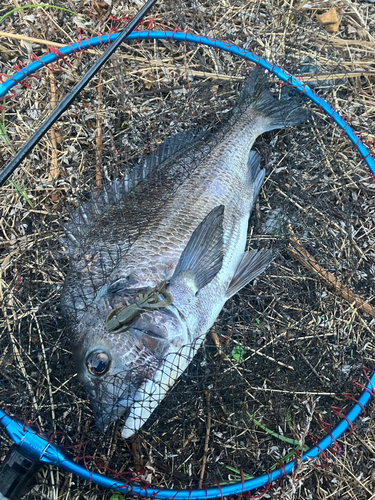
286,349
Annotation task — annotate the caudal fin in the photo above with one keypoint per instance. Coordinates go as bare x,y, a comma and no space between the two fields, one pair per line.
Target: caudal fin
255,95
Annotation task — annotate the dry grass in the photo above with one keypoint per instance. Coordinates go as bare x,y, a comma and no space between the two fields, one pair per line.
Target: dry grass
302,342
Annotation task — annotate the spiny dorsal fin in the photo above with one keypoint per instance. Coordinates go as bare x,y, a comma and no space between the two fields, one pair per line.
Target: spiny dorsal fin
167,150
82,220
249,267
202,257
171,147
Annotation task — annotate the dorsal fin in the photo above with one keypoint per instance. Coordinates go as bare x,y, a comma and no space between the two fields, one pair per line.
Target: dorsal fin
171,147
82,220
168,150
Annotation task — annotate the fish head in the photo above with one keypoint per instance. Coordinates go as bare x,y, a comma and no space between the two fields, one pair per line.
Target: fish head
130,347
114,367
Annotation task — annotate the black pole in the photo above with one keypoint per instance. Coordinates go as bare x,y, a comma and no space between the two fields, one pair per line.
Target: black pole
69,98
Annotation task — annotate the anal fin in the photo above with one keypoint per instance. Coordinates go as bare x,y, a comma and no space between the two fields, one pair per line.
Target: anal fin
251,265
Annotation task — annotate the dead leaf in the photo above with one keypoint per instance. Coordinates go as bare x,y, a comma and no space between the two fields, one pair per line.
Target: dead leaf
350,30
54,197
329,20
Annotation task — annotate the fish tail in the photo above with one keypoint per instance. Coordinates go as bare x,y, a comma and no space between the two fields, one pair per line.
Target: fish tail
255,95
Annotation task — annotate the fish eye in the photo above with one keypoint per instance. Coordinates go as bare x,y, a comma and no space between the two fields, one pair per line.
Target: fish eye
98,362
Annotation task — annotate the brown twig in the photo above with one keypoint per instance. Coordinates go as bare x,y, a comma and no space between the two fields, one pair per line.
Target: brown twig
216,340
323,381
208,430
54,169
186,71
136,449
270,359
299,253
98,136
41,41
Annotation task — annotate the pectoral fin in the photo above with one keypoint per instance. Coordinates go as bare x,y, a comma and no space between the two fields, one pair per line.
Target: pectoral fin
202,257
249,267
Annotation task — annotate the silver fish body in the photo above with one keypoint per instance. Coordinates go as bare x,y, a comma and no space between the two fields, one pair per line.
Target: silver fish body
180,220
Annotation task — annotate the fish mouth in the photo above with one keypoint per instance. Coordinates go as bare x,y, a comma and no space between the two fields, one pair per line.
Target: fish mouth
106,413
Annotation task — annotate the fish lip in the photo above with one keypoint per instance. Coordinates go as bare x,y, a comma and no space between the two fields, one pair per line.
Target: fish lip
106,413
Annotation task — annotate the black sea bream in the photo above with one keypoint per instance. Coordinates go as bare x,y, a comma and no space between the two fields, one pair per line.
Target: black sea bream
155,256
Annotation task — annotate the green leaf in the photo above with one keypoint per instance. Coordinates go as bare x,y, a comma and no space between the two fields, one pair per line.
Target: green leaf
238,352
236,471
3,133
22,193
285,458
40,5
117,496
288,422
293,442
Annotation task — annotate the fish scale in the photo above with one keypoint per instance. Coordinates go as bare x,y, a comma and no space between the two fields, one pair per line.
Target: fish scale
176,226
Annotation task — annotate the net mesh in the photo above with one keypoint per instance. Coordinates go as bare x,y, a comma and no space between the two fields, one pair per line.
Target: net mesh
285,349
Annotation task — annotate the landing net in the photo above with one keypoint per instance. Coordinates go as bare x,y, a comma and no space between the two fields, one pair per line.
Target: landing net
276,370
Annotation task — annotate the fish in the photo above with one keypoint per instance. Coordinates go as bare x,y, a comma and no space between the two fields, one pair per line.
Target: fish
154,256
